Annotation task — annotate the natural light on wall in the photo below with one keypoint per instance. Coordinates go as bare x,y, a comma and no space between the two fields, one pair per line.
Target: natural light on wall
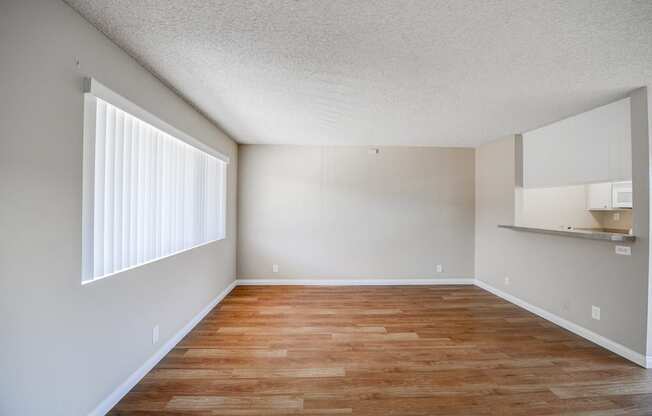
150,191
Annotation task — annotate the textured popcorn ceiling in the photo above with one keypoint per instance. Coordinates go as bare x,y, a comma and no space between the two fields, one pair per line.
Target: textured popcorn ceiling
448,72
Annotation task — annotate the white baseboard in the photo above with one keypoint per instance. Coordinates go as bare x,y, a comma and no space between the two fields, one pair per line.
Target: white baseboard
137,375
613,346
357,282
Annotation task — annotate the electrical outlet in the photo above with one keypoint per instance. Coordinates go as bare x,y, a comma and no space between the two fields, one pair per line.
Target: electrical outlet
155,333
616,216
439,268
624,250
595,312
506,280
274,268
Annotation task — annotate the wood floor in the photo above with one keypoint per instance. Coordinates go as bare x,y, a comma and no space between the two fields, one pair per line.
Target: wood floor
410,350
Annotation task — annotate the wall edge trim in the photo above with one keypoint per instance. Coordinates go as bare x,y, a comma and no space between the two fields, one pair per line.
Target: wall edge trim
356,282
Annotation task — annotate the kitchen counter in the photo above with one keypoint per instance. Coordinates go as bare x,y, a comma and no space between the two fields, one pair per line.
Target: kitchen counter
587,234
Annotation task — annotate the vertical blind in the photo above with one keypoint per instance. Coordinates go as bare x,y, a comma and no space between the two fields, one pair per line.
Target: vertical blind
152,195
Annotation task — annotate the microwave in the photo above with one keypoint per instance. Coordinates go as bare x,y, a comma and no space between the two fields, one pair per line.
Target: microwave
621,195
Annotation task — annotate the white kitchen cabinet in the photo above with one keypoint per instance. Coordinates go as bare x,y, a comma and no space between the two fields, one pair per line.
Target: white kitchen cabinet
591,147
598,196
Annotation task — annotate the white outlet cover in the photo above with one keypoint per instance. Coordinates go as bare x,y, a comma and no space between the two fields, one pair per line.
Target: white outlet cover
274,268
506,280
595,312
624,250
616,216
155,334
439,268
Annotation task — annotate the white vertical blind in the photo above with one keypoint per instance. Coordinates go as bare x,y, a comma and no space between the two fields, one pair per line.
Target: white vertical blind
150,195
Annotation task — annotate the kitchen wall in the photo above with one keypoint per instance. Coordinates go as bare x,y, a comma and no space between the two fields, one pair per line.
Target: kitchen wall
562,206
563,275
555,207
340,212
64,347
623,221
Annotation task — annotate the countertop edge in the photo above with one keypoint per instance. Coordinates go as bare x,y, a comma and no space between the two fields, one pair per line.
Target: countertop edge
587,235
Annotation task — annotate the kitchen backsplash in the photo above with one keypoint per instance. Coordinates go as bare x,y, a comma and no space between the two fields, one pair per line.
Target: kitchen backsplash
607,220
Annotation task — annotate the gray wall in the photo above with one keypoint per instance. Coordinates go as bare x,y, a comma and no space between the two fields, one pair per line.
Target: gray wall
339,212
63,346
564,275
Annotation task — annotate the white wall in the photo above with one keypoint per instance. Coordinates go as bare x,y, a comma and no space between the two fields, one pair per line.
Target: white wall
590,147
555,207
63,346
339,212
563,275
563,206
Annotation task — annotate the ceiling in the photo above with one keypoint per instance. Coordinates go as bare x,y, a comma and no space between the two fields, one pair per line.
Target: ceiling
385,72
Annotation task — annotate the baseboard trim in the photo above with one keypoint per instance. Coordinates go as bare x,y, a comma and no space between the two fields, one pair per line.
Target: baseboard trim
124,388
355,282
604,342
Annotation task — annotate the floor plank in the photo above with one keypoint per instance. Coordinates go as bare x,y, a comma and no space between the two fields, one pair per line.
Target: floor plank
372,350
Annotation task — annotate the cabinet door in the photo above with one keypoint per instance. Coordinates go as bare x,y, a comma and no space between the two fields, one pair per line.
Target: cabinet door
598,196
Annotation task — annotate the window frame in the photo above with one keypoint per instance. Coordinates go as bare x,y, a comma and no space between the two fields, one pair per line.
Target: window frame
93,90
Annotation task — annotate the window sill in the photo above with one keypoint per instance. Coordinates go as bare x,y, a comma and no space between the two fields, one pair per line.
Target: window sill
135,266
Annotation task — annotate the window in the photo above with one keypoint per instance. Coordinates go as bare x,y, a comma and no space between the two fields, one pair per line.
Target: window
150,191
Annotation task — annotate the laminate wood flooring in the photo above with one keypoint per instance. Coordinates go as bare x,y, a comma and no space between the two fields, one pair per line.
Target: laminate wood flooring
384,350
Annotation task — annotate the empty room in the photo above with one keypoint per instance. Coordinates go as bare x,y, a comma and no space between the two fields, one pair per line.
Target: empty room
325,207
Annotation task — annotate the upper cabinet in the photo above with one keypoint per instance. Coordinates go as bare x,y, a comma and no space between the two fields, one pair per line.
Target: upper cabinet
598,197
591,147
